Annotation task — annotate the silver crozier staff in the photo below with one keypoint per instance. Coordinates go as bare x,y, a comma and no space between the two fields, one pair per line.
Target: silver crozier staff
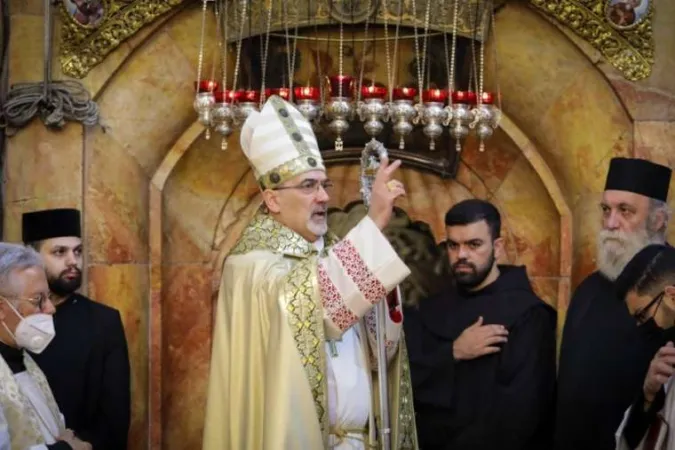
373,152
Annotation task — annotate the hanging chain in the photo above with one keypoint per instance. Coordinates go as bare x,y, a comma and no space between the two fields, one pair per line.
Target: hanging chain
493,27
216,51
453,56
291,75
396,55
225,44
421,62
290,57
318,62
239,45
340,56
481,75
390,75
473,74
363,55
200,59
284,13
417,53
263,63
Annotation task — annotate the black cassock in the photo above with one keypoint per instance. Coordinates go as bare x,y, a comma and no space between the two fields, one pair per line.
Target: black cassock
87,366
501,401
604,358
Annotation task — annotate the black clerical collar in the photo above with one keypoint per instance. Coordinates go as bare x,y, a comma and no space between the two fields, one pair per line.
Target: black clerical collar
13,357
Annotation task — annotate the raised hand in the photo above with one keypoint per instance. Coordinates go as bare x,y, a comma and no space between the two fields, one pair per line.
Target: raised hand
661,368
384,193
478,340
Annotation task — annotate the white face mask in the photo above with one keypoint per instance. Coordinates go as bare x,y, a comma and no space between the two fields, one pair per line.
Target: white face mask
34,333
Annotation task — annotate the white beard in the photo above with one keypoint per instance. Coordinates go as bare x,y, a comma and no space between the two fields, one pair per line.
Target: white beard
617,248
318,229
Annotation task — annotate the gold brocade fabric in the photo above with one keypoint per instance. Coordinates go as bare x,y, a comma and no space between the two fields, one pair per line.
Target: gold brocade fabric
23,422
266,234
267,384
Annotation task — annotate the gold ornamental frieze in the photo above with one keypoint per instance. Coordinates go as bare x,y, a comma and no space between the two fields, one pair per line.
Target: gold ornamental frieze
620,29
94,28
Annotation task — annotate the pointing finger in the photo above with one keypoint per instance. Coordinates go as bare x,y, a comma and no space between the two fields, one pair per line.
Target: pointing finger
391,168
382,169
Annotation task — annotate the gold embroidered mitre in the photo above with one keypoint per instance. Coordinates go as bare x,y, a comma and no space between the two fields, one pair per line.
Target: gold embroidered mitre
279,143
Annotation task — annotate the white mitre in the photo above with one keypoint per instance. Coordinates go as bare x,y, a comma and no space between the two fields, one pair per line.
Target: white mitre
279,143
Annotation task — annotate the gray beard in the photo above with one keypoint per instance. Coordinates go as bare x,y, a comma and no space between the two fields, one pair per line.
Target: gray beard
318,229
616,248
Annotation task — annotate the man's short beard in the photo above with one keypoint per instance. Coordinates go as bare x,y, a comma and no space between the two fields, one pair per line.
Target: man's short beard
64,287
616,248
470,280
317,229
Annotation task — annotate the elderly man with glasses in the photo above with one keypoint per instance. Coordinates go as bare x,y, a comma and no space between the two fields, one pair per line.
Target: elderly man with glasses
292,358
29,416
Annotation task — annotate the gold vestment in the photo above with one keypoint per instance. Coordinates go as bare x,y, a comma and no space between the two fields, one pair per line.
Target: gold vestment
279,300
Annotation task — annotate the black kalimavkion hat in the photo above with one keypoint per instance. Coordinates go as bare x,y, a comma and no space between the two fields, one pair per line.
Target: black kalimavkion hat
50,223
639,176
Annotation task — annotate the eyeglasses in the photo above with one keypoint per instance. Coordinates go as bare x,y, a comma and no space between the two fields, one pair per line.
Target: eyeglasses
309,187
38,301
641,314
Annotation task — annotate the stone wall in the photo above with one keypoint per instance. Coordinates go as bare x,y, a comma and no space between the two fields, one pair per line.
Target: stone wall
162,205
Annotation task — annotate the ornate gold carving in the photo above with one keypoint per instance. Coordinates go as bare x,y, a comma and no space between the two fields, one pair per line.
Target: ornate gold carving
326,12
626,43
87,38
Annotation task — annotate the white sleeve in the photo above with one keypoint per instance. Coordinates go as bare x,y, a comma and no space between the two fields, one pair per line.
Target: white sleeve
358,272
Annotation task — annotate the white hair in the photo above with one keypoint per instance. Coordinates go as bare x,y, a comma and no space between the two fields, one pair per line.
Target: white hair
15,257
656,208
615,248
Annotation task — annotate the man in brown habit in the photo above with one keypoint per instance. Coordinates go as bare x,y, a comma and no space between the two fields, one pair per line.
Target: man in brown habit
604,353
87,363
482,355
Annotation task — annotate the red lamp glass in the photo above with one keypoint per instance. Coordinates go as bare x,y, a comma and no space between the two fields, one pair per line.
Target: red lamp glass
487,98
228,96
250,96
283,92
404,93
466,97
206,86
434,95
373,92
307,93
344,82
